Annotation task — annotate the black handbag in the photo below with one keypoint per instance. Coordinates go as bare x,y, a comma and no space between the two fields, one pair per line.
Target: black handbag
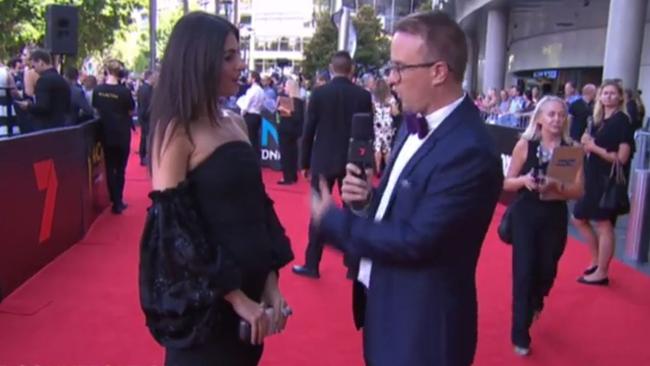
178,272
615,195
505,226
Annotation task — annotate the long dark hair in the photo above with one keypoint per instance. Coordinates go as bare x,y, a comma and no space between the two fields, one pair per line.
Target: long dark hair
190,75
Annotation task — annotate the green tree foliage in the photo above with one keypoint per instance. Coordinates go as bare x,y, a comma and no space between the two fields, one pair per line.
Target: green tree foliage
166,22
100,21
425,6
372,46
321,47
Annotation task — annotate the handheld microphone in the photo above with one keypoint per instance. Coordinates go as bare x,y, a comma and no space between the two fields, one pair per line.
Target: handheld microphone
360,151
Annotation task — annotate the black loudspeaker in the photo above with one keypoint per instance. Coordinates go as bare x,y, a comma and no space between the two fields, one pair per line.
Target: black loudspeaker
61,30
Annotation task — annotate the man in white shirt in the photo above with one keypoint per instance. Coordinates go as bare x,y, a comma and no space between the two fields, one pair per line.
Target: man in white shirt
419,233
251,108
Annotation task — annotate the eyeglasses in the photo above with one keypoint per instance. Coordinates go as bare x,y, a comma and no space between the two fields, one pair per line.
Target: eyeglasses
399,68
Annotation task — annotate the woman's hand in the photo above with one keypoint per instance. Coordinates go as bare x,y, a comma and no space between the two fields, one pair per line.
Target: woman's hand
529,181
550,184
273,297
252,312
588,144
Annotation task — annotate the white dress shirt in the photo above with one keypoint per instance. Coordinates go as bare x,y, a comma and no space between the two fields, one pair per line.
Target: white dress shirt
410,147
253,100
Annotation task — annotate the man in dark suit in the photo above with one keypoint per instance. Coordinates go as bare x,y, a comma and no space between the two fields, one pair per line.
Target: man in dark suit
326,138
419,234
51,94
145,92
580,111
80,109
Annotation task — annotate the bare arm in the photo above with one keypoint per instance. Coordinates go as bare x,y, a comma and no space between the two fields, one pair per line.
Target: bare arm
623,153
171,165
514,180
31,77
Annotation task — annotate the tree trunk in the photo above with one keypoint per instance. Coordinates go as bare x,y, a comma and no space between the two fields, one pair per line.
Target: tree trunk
153,15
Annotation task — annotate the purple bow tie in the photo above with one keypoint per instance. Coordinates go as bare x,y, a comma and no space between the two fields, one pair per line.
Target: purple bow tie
415,123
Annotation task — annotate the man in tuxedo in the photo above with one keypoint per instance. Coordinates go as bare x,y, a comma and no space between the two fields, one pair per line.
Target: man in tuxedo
326,138
419,234
52,103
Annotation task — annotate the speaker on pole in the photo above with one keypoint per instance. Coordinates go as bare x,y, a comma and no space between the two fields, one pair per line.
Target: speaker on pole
62,23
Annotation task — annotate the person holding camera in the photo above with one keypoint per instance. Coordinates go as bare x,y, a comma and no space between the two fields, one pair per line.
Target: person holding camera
114,103
539,227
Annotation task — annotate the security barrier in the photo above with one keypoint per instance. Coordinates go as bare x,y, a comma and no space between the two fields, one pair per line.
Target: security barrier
52,189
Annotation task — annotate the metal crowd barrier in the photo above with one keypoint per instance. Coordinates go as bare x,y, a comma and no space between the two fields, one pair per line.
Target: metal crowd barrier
637,243
641,158
515,120
8,125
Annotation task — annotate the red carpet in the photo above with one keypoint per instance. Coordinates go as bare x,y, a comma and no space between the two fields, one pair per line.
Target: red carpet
82,309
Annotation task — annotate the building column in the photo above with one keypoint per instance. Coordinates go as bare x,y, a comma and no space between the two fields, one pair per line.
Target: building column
495,49
251,52
472,63
625,29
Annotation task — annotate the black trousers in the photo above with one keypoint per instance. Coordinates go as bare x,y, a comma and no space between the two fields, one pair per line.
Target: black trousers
289,157
116,157
253,123
314,251
539,237
144,134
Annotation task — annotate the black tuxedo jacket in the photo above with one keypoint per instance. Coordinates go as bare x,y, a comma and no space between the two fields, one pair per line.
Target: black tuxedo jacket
327,131
52,104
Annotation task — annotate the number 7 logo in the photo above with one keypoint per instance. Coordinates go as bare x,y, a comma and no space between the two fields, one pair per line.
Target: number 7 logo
46,181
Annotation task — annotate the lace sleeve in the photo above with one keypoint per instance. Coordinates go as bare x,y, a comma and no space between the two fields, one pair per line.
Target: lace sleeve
181,275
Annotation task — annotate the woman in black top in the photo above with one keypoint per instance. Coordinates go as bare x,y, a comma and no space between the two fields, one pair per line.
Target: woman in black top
292,118
196,144
635,109
539,227
612,139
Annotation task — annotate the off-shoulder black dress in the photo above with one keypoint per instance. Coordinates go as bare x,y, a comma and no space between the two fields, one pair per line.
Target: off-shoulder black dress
238,216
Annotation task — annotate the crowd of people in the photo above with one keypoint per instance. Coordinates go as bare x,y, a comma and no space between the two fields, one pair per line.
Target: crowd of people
410,245
35,96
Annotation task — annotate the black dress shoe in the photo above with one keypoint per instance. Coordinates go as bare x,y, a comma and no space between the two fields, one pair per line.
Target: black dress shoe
119,208
601,282
305,271
590,270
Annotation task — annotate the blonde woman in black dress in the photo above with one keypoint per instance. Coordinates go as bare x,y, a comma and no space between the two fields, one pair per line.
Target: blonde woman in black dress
611,140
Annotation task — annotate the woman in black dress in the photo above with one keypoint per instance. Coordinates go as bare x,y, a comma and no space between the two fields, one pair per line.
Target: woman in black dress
539,227
292,118
611,139
196,144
